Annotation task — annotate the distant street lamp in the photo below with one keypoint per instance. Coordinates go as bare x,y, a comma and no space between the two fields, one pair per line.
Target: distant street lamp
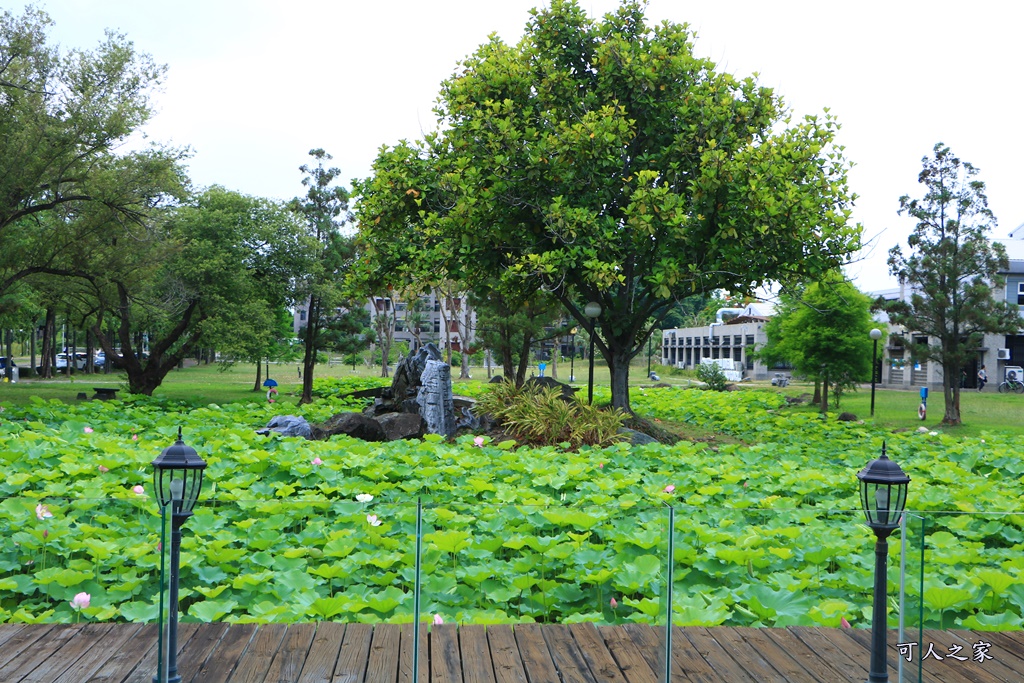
883,495
572,357
592,310
177,481
876,334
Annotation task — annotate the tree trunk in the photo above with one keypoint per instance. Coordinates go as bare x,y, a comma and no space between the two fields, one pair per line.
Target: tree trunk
619,370
47,353
824,394
259,376
32,346
816,399
524,360
554,361
309,359
951,395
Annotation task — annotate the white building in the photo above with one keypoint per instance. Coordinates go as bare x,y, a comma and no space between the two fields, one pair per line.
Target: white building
735,335
444,320
996,352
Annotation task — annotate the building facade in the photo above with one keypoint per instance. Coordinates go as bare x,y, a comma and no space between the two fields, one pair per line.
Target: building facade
996,352
730,338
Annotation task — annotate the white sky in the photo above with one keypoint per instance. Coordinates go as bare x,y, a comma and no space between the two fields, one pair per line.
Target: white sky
255,84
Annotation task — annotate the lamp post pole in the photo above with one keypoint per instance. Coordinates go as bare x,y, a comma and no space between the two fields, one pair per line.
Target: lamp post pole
649,340
572,355
177,481
592,311
883,491
876,334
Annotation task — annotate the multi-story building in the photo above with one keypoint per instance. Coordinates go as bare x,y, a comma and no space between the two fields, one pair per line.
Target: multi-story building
442,320
735,335
996,352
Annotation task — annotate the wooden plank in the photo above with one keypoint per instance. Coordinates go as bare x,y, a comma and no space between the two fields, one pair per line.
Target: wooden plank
323,653
146,668
993,670
100,647
842,658
1009,642
792,658
354,654
477,666
508,665
534,653
730,665
602,665
221,661
22,640
445,666
196,650
382,665
291,655
405,654
8,631
255,660
687,664
571,665
627,656
858,641
42,649
87,640
122,662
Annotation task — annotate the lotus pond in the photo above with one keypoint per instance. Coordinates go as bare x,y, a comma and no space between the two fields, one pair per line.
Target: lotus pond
766,531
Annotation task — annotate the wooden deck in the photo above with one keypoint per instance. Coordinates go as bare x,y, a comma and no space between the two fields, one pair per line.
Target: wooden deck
527,653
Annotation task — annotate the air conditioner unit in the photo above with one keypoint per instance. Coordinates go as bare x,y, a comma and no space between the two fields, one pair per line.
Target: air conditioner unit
1003,354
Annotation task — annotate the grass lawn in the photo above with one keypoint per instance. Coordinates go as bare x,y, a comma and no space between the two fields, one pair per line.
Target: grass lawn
894,409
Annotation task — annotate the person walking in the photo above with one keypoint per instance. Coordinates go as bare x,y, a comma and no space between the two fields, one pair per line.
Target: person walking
982,378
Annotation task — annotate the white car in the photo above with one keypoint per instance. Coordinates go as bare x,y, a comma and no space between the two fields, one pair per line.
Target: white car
62,361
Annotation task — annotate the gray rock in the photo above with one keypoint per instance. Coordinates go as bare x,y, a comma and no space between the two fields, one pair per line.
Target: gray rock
637,438
847,417
435,398
403,426
288,425
568,392
356,425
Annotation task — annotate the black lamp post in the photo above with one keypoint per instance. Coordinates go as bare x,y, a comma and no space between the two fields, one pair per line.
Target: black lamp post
592,310
883,495
572,356
177,481
876,334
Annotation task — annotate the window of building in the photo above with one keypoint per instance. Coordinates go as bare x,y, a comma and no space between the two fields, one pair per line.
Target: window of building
750,340
302,316
437,326
1020,293
737,340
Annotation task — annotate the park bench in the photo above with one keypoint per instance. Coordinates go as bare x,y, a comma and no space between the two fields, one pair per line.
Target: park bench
104,393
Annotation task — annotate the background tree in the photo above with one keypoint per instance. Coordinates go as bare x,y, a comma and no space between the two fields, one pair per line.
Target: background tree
952,271
510,321
324,208
606,162
63,117
824,333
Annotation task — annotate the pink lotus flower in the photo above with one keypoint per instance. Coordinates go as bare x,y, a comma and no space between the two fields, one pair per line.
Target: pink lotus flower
87,430
135,437
613,603
317,461
46,533
438,620
80,601
844,622
670,488
104,469
159,546
271,400
373,520
43,512
600,465
139,491
478,441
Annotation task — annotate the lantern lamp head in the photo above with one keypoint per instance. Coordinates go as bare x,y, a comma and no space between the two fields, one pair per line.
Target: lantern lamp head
883,492
876,334
178,477
592,309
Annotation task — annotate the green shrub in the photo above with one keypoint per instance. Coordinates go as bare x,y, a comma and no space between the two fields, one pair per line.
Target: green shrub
712,375
541,416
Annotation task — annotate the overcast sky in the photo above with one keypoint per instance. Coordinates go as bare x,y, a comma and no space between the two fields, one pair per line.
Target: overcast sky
254,85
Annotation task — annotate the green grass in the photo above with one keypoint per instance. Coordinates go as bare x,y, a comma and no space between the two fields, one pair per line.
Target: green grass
894,409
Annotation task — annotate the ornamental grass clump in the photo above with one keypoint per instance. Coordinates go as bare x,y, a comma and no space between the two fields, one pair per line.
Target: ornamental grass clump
541,416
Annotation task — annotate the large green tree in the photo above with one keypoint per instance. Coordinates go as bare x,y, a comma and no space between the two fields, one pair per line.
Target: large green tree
324,209
951,272
823,331
63,114
604,161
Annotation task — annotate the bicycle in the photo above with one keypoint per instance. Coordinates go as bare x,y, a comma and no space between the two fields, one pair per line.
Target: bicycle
1011,383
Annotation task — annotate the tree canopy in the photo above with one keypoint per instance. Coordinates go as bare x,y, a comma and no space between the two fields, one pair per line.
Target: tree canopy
952,271
604,161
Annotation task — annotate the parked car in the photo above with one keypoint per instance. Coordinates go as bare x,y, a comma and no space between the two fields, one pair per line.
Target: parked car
99,359
62,361
3,366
